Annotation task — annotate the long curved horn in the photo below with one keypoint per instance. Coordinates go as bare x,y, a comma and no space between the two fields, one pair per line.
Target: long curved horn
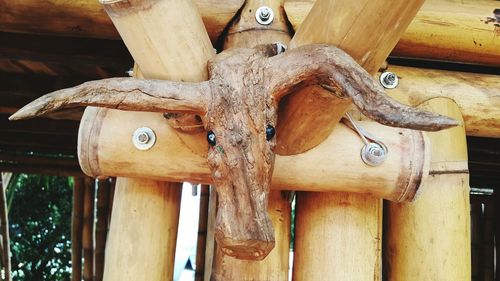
339,73
126,94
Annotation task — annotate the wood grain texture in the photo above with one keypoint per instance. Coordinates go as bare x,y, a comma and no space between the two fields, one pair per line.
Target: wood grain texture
246,32
477,95
443,30
186,157
429,239
87,18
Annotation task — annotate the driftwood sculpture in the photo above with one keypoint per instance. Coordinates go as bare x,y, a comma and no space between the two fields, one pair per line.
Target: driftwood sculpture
238,106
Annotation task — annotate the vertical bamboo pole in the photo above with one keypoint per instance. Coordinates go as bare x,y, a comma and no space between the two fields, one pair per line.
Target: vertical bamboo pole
4,217
88,229
339,234
112,184
244,33
202,232
168,40
77,229
101,229
429,239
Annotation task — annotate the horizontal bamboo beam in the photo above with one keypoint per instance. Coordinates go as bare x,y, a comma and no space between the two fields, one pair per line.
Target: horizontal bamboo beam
463,31
86,18
106,150
51,170
477,95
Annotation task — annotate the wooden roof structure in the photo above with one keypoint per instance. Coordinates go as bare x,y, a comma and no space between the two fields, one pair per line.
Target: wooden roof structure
64,44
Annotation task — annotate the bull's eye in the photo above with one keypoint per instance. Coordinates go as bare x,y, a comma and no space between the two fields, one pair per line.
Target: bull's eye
270,131
211,138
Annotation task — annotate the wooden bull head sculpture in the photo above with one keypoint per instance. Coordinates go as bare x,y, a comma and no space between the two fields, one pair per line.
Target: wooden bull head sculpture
239,109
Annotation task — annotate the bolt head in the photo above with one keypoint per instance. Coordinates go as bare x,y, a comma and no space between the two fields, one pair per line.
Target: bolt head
264,15
144,138
389,80
373,154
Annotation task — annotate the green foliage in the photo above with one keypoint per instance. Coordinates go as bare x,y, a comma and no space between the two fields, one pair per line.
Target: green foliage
40,227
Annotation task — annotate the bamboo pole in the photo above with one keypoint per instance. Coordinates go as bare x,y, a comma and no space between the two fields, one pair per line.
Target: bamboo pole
77,228
88,229
354,237
84,18
210,241
4,218
101,229
477,95
396,179
246,33
461,31
429,239
167,40
201,242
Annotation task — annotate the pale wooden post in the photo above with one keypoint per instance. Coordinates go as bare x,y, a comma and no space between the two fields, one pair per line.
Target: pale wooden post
167,40
339,234
246,33
429,239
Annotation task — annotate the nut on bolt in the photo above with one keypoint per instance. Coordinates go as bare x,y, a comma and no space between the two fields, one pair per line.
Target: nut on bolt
144,138
389,80
264,15
373,154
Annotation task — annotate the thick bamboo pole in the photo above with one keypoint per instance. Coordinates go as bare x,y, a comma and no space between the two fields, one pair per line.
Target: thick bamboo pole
77,228
247,32
354,252
167,40
176,159
477,95
143,251
101,228
86,18
462,31
429,239
4,218
88,229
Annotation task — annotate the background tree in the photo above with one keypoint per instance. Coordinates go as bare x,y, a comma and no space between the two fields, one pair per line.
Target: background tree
40,227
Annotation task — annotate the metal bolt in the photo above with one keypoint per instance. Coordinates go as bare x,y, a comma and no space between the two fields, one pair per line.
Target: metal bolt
373,154
144,138
389,80
264,15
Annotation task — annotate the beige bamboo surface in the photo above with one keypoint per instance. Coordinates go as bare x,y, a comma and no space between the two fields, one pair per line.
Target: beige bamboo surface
429,239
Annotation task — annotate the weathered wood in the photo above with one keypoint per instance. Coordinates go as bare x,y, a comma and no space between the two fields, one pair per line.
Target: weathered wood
247,32
77,228
87,18
161,40
430,238
243,91
4,218
477,95
88,229
462,31
101,227
186,160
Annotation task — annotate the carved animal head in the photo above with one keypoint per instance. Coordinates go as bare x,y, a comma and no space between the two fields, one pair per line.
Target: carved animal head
239,108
